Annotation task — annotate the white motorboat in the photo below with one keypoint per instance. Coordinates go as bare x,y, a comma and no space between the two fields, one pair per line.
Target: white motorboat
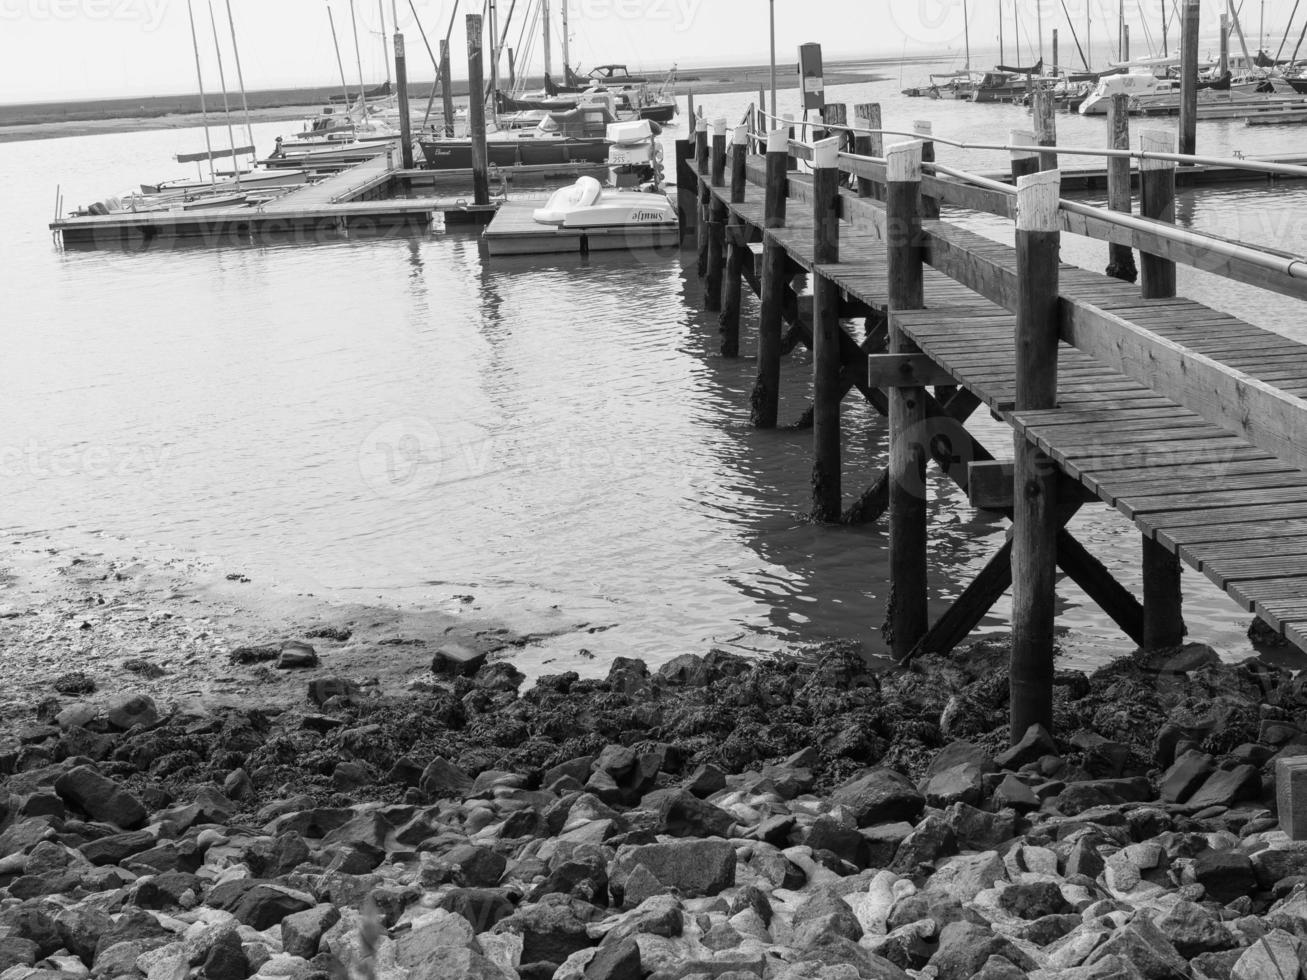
1132,84
588,204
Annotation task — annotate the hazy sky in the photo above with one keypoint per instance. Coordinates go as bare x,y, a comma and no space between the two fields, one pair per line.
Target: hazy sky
56,49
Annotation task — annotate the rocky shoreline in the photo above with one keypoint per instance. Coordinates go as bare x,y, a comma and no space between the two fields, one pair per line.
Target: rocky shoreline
720,817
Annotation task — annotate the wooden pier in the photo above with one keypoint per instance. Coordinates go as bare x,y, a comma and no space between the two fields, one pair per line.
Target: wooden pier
1188,421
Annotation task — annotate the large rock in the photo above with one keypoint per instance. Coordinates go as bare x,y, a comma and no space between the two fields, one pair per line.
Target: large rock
1193,930
1225,787
442,780
1186,774
823,915
101,797
553,929
1276,955
301,932
1225,874
129,710
692,867
880,796
258,904
1032,746
965,947
1142,944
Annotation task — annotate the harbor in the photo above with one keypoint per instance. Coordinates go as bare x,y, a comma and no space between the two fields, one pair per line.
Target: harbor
830,533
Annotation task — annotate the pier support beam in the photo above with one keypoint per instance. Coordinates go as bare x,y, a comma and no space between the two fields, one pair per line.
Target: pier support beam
867,115
737,248
717,211
687,196
476,112
401,87
764,402
701,190
1157,201
906,617
826,333
1120,258
446,92
1034,539
1163,598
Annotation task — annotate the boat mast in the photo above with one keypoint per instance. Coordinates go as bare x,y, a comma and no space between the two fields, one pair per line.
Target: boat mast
226,106
966,32
339,64
1120,31
240,78
1002,60
199,78
544,15
1243,44
385,48
566,54
358,57
1165,52
1039,26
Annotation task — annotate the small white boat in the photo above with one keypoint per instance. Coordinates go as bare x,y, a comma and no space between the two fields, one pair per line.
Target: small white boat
1133,84
588,204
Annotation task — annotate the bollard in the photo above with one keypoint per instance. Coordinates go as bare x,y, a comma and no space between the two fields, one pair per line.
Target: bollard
923,129
701,189
1035,524
868,116
906,618
1045,127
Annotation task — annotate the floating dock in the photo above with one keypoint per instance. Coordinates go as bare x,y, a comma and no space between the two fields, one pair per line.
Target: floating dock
515,232
369,198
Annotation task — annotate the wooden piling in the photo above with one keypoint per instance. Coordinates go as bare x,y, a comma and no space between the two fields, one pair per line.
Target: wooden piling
717,210
867,115
1189,76
764,402
737,248
1055,52
1163,597
1120,258
1045,123
1035,524
906,619
701,190
401,99
476,112
924,129
1024,162
1157,201
792,164
687,197
828,389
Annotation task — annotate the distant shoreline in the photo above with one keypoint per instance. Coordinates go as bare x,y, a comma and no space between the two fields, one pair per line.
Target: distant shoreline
35,121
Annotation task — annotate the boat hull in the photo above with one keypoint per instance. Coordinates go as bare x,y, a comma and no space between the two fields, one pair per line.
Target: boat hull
445,154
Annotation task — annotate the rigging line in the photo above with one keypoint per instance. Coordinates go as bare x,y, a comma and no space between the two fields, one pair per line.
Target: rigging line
358,56
240,78
226,105
339,63
1074,36
1288,28
199,77
453,18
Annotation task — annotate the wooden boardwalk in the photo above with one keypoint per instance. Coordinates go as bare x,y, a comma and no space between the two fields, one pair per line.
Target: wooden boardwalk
1203,476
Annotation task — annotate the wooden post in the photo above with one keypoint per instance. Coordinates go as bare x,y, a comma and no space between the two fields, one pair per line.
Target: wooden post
401,97
828,390
689,107
687,198
1035,526
1157,201
923,129
1045,127
736,248
1163,598
867,116
717,210
1024,162
446,92
1055,61
792,164
1120,258
764,403
836,114
1189,77
476,112
701,189
906,617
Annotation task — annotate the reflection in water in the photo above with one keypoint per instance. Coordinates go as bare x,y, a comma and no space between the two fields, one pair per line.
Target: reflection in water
397,419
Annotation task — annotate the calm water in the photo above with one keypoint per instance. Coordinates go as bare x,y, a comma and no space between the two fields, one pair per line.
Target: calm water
403,421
